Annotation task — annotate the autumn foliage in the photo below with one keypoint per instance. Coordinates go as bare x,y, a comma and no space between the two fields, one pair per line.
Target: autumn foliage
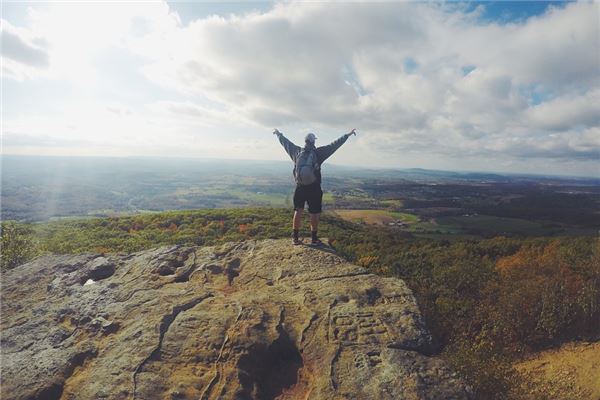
485,301
548,293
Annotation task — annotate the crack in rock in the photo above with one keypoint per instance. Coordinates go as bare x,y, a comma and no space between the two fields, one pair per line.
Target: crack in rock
349,275
164,326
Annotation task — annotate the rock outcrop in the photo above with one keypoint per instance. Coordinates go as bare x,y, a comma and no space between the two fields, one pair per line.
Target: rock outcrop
253,320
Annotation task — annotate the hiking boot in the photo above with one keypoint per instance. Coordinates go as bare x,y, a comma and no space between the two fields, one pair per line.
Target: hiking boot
296,242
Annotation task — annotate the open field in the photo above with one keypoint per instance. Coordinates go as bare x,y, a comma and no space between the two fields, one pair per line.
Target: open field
481,225
437,205
392,203
463,227
490,226
377,217
328,198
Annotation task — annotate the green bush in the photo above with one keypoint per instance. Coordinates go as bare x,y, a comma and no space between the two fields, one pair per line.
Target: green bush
17,244
485,366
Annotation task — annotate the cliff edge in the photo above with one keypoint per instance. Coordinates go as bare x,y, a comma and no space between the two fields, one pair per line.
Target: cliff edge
252,320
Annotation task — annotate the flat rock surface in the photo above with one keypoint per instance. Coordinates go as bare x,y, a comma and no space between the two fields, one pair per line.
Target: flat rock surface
252,320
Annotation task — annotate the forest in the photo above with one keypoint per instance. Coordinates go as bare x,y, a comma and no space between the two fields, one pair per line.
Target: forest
487,301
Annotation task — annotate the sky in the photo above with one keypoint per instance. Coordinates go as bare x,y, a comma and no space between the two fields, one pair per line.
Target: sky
470,86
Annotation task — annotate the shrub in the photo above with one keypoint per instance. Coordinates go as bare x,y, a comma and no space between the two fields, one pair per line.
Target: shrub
17,245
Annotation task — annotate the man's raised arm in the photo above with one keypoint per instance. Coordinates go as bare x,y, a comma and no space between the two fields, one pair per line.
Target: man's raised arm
289,147
325,152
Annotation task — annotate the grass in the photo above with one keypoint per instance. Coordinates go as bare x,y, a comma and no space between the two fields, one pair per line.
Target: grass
392,203
433,228
405,217
490,225
265,198
376,217
477,226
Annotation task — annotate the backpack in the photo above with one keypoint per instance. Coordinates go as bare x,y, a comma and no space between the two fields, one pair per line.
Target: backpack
306,168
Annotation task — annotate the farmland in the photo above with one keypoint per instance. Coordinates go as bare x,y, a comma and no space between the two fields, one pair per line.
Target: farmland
378,217
417,202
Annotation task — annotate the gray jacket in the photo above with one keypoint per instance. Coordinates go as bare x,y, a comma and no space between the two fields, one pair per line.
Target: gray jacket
323,152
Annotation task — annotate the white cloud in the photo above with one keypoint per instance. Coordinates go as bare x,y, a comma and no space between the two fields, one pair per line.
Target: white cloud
427,79
23,55
407,64
567,111
20,49
195,114
75,34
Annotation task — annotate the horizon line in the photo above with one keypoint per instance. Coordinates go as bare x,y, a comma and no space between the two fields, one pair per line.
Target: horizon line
372,168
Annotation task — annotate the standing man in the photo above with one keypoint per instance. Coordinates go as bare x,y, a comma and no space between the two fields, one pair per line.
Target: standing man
307,173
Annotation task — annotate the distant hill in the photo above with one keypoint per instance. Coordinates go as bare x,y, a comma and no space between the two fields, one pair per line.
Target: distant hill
40,188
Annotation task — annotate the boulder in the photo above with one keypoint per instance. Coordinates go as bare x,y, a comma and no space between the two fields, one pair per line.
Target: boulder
251,320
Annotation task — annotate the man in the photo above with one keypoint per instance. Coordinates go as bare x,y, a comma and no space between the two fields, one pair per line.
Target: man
307,172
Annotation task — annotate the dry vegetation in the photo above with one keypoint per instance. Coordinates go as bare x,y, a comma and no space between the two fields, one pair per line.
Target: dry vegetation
488,302
569,372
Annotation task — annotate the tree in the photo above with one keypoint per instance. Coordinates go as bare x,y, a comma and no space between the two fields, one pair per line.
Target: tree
17,246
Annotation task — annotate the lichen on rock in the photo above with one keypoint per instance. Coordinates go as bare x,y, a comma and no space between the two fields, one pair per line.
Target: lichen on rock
251,320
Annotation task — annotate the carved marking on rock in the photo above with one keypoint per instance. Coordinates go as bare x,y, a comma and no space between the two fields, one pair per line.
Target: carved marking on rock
357,328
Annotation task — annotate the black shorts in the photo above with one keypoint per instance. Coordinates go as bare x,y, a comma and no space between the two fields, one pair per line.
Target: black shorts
311,194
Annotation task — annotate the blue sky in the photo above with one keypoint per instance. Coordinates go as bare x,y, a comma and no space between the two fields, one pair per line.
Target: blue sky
494,11
513,11
494,86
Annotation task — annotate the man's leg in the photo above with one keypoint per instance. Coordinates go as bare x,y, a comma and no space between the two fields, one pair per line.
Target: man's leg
314,222
314,225
297,221
299,201
314,208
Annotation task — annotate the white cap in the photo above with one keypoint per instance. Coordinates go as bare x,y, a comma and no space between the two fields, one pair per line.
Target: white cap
310,138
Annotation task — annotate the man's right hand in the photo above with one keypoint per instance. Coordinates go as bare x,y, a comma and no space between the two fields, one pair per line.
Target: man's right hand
276,132
352,132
